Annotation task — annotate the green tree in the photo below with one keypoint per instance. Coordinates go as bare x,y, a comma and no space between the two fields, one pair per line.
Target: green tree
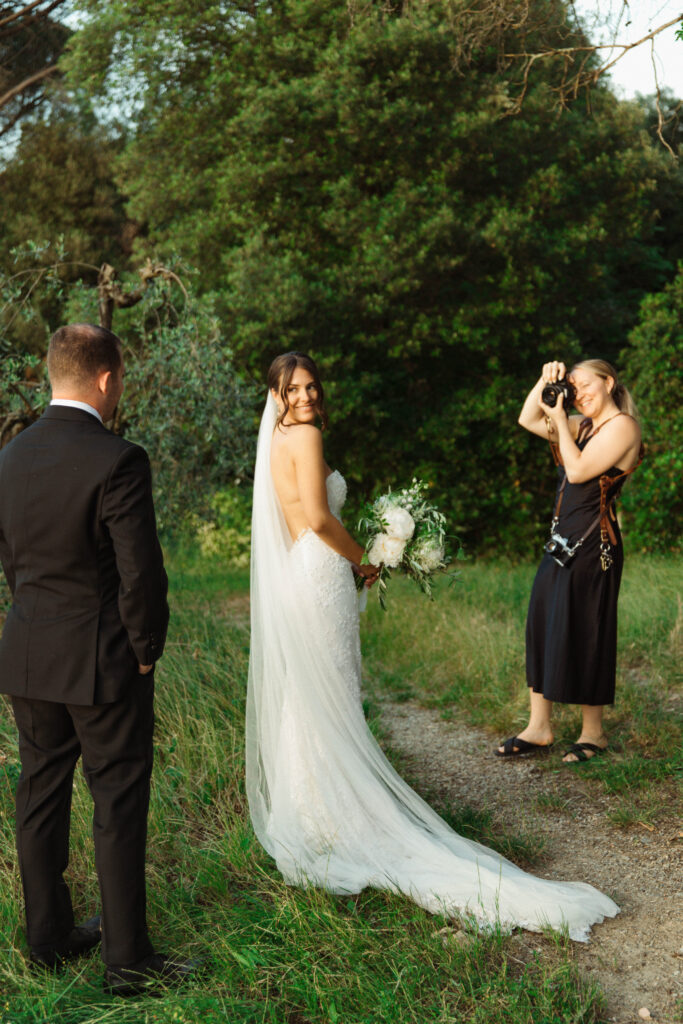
59,187
350,181
32,39
184,400
654,369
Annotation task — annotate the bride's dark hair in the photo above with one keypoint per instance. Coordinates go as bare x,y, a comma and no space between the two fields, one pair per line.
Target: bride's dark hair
280,376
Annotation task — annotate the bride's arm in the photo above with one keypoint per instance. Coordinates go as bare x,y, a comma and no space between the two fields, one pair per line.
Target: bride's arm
307,452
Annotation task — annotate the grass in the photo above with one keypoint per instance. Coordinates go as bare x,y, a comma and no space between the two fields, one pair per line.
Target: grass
464,654
273,953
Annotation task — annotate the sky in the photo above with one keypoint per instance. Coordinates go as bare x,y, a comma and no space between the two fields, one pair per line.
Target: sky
634,73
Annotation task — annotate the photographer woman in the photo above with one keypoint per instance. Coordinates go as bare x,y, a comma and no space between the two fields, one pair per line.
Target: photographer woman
571,631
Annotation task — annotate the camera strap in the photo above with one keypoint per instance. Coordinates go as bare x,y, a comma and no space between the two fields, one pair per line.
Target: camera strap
608,511
584,425
607,515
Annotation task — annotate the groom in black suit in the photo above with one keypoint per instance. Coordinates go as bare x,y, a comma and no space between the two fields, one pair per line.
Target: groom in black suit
79,548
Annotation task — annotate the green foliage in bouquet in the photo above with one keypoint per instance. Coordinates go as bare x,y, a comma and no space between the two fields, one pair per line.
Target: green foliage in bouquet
404,531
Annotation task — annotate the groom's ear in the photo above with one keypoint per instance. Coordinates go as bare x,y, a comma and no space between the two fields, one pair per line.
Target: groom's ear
103,382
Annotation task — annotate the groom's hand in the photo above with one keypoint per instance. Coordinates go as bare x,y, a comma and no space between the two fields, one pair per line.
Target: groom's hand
144,670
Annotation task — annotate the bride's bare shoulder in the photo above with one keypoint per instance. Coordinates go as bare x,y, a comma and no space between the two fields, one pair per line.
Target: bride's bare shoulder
304,438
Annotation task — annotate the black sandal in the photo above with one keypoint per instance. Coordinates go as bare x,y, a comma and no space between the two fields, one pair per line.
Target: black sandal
523,747
579,749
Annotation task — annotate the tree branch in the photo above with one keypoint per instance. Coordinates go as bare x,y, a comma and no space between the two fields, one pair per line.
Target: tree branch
25,10
17,391
111,295
576,75
25,108
31,80
660,114
571,51
625,47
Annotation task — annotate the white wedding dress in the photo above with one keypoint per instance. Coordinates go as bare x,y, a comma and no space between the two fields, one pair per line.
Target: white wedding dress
325,802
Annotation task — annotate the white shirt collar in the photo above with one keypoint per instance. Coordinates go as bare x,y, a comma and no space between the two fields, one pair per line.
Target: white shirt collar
73,404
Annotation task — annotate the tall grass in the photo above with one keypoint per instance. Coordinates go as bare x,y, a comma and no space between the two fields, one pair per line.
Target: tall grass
272,953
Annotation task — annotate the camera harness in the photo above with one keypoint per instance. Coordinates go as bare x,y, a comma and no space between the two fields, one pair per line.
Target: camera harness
607,515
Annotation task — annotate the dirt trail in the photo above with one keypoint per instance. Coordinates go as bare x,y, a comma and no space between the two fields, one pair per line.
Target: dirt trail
637,957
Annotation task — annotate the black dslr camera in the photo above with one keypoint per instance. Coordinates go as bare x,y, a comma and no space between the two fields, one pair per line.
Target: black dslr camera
560,548
562,387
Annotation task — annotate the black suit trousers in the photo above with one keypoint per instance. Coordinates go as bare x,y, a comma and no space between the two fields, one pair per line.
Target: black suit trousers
115,742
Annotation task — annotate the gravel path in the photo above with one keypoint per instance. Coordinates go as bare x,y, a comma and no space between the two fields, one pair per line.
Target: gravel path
637,957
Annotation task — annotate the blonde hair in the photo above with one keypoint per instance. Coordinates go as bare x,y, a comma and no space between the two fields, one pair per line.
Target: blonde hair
621,395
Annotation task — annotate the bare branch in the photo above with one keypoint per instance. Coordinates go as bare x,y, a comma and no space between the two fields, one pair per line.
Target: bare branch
22,11
625,47
31,80
28,8
660,115
111,295
17,391
26,108
577,71
569,52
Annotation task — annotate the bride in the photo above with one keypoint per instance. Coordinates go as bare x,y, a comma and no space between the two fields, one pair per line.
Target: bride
325,802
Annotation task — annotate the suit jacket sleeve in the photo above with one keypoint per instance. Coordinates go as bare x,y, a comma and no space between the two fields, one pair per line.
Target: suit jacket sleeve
6,561
128,513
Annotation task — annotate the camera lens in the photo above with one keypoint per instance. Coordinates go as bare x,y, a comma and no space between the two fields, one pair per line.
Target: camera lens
549,395
562,387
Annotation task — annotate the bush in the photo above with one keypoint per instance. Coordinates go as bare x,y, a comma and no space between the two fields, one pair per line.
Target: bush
653,368
184,399
226,532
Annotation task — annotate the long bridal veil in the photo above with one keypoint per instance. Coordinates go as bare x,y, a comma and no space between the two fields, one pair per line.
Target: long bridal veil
324,801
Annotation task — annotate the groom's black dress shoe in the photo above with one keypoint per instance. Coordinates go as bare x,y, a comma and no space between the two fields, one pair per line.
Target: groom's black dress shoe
149,975
79,941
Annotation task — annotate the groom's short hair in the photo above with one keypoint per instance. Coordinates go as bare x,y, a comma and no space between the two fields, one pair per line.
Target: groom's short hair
78,353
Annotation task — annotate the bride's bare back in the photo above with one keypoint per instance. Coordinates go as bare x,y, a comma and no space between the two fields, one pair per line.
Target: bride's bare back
300,472
295,461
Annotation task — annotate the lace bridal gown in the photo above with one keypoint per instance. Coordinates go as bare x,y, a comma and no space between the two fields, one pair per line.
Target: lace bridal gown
325,802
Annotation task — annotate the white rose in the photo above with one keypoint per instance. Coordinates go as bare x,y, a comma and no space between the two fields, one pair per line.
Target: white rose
386,550
428,554
400,524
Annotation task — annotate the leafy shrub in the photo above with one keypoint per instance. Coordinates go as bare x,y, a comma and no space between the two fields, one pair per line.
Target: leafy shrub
184,400
225,533
653,506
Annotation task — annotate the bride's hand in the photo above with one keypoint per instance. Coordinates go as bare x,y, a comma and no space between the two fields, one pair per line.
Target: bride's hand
370,573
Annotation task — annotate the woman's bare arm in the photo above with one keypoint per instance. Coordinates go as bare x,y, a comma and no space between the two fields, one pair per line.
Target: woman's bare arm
617,444
532,417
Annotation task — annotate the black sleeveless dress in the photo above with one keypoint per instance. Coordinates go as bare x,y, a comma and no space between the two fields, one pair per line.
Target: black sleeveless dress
571,628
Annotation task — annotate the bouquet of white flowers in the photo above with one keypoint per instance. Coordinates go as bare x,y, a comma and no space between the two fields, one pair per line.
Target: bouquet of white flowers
403,531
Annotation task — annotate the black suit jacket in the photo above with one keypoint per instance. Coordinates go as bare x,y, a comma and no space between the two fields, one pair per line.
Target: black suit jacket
79,548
